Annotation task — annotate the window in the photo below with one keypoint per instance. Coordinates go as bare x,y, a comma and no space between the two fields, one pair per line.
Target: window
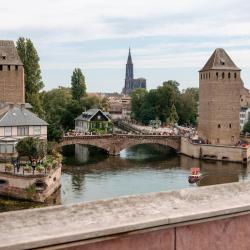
229,75
230,125
217,75
223,75
37,130
9,148
1,67
7,131
235,75
9,67
22,130
16,67
201,76
218,125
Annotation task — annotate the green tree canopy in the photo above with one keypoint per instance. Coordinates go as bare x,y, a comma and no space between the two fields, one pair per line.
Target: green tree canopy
246,128
31,147
32,73
78,86
165,103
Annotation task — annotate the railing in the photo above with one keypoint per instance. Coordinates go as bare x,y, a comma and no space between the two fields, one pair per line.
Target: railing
69,137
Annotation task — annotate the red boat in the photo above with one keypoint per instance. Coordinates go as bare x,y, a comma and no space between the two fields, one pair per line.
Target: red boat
195,175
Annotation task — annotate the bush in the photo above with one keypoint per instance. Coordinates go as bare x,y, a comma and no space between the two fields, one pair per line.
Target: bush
9,167
27,168
40,168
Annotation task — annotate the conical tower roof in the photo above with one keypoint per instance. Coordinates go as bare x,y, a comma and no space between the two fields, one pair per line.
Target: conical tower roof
129,61
220,60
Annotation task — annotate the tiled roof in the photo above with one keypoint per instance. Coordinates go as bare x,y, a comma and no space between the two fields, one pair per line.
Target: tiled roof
18,116
220,60
8,53
87,115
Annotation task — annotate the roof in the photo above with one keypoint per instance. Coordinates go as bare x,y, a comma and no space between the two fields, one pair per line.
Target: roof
129,61
18,116
220,60
8,53
87,115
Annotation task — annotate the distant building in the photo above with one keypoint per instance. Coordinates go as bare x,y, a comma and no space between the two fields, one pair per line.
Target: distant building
219,100
131,83
17,122
119,107
93,120
244,116
11,74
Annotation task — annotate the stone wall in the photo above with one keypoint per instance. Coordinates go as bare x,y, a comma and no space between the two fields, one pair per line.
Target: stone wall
18,185
216,152
12,84
208,218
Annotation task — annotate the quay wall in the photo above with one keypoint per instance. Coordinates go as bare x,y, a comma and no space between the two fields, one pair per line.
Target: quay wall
215,152
19,185
208,218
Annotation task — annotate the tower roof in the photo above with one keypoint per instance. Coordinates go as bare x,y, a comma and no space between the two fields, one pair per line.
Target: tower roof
8,53
129,61
220,60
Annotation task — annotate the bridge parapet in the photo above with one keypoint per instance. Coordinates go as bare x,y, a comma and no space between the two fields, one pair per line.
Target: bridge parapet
212,217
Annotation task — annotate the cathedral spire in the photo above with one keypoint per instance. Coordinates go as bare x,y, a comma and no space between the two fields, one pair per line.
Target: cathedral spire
129,67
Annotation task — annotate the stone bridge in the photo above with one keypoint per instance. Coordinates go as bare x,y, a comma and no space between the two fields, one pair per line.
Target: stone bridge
115,143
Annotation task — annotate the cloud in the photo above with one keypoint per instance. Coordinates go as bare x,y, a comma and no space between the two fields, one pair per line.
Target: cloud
95,34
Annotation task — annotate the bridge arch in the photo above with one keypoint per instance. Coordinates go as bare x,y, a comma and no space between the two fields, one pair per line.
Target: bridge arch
114,144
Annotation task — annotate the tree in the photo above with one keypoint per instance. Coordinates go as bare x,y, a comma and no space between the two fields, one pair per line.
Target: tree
188,107
32,73
32,147
246,128
78,86
173,117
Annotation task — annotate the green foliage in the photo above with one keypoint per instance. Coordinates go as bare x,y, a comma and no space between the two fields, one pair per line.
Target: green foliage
30,190
246,128
61,110
32,73
165,103
32,148
78,86
173,116
188,106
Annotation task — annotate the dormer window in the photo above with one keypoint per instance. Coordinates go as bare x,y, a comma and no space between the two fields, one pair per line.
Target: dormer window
222,62
3,56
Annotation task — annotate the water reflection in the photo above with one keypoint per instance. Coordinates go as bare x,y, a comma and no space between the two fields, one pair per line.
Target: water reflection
142,169
139,169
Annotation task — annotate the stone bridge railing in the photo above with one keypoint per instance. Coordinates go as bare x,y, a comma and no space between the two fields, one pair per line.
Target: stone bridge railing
114,143
207,218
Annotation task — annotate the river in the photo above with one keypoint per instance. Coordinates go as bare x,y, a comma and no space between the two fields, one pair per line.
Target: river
139,169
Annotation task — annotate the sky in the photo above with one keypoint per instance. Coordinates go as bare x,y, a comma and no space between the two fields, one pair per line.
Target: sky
169,40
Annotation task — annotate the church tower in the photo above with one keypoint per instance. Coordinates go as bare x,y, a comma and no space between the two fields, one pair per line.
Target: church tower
130,83
129,67
219,100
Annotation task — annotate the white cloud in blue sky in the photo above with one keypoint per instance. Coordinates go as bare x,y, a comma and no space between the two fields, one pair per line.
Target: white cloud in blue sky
169,39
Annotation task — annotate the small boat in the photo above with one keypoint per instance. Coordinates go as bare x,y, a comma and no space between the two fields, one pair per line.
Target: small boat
195,175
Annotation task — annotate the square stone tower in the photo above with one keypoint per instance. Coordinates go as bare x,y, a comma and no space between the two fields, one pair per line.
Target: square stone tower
219,100
11,74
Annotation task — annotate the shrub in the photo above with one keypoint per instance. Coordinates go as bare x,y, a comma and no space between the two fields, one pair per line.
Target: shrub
9,167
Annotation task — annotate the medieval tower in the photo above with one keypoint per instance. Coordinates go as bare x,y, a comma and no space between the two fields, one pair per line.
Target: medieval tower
11,74
219,100
131,83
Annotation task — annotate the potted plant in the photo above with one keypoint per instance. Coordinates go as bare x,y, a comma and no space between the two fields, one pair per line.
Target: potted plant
27,168
40,168
54,163
8,167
